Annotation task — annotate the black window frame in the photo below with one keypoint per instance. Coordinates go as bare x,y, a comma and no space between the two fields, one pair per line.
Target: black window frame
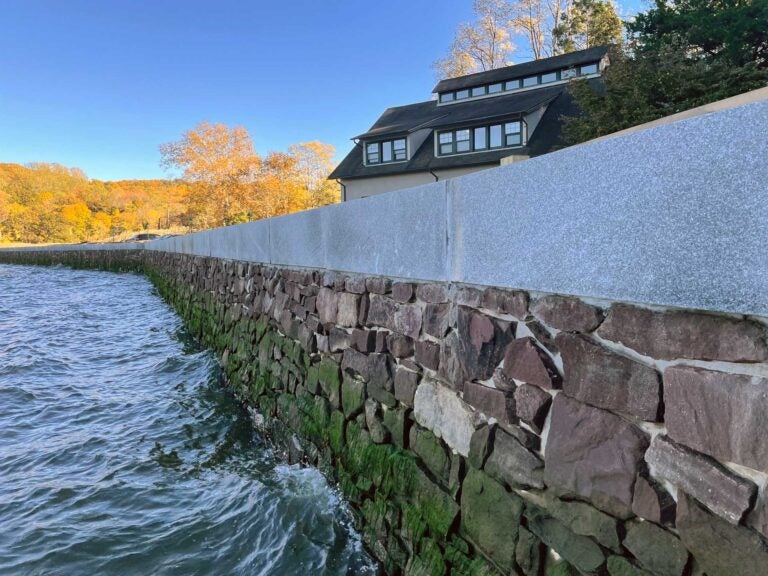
395,153
449,139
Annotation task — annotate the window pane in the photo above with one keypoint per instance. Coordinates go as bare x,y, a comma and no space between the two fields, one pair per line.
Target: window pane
386,151
480,143
512,85
462,134
568,73
400,155
496,136
462,94
530,81
550,77
446,96
399,144
446,148
589,69
446,137
478,91
373,153
513,139
512,128
493,88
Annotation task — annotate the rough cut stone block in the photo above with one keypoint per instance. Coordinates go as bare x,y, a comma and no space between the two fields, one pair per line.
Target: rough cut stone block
529,552
481,343
408,320
378,285
432,293
758,518
679,334
352,397
593,454
348,308
402,291
719,414
338,339
658,551
399,346
578,550
723,492
510,463
480,446
435,319
428,354
381,312
327,302
525,361
620,566
567,313
605,379
490,518
363,340
492,402
514,302
373,368
532,405
719,547
652,502
434,455
373,422
439,409
405,385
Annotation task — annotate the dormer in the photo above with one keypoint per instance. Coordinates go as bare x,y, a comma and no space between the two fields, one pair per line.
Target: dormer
521,77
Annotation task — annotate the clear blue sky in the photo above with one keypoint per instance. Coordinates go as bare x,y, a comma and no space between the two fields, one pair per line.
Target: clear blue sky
100,84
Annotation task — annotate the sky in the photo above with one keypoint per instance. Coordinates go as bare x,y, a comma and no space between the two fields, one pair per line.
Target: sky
100,84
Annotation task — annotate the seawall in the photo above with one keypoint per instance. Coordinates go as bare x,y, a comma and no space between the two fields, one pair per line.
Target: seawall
557,367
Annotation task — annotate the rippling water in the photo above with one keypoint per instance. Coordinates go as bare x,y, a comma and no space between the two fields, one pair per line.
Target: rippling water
120,453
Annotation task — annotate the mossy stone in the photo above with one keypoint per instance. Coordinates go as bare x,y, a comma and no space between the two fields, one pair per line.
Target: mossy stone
352,396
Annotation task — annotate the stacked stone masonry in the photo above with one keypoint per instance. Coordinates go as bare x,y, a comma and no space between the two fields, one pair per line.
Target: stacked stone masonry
483,431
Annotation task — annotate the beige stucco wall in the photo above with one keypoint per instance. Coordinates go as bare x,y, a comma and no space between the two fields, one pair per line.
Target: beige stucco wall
364,187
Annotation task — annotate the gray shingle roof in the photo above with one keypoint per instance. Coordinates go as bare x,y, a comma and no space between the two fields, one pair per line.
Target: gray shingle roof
531,68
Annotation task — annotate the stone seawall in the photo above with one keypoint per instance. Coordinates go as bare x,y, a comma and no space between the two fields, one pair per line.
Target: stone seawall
477,430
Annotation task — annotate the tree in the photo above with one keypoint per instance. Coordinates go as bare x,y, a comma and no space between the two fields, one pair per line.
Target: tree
588,23
222,164
314,161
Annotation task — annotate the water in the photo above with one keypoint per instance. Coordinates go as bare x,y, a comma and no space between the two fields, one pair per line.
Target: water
121,453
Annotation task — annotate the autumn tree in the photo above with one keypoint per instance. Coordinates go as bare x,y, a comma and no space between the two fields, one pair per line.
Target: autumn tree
221,163
314,162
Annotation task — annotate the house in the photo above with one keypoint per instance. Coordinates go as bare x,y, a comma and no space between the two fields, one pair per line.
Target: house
474,122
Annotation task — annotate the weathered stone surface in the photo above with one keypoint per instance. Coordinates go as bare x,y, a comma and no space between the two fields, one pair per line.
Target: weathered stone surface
723,492
381,312
758,518
338,339
596,375
480,446
510,463
402,291
348,308
513,302
652,502
432,293
428,354
524,360
529,552
352,396
719,547
374,423
481,343
492,402
440,410
378,285
658,551
396,421
355,285
375,369
363,340
567,313
408,320
399,346
682,334
490,518
578,550
579,517
532,405
593,454
406,382
435,319
719,414
434,455
543,335
327,302
620,566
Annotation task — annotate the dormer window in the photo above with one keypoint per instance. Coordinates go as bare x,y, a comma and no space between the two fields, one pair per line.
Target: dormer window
386,151
480,138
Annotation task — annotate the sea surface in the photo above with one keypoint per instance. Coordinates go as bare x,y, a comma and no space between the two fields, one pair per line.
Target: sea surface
122,453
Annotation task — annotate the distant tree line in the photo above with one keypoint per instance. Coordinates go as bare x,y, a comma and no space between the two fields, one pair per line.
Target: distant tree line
223,182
